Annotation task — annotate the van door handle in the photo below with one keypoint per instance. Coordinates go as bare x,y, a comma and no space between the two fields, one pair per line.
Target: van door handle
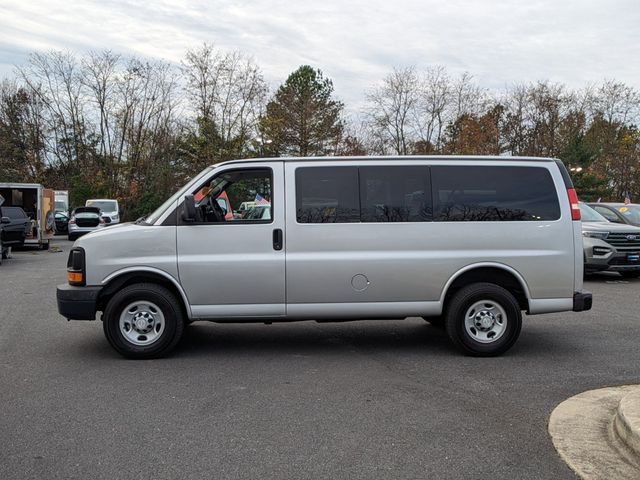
277,239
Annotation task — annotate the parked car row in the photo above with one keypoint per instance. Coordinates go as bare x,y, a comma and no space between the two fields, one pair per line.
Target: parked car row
611,241
96,214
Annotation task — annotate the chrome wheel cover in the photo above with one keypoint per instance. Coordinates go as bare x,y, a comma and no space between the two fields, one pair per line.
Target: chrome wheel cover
141,323
485,321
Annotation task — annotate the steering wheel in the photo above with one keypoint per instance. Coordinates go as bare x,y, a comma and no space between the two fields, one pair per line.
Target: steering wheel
217,211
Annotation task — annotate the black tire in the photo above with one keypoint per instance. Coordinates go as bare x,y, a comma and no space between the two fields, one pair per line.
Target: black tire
437,322
146,292
463,300
631,274
45,246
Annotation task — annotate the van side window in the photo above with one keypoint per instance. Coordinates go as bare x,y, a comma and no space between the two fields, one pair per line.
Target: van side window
327,195
236,196
470,193
395,194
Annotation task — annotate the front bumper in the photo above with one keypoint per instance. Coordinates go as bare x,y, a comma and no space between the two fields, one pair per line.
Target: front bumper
582,301
77,303
611,259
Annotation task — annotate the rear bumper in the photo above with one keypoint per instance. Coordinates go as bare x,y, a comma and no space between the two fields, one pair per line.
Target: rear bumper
77,303
582,301
76,229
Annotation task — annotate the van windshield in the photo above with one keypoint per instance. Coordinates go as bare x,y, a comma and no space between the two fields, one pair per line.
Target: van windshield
157,213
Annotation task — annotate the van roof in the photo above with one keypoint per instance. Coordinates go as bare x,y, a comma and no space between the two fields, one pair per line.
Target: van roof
393,157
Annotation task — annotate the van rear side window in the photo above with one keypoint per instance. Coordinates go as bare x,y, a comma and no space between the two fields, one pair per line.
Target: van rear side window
493,193
367,194
327,195
395,194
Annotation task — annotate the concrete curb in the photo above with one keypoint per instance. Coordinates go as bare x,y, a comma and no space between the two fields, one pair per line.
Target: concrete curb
597,433
627,421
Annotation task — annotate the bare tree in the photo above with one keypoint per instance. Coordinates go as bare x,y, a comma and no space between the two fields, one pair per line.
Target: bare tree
435,97
392,109
53,78
228,93
467,98
616,102
22,134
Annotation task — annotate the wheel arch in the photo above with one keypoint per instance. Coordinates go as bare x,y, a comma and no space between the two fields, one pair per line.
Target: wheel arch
490,272
131,275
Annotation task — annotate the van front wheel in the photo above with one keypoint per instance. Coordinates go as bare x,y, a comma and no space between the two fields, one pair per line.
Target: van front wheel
483,320
144,320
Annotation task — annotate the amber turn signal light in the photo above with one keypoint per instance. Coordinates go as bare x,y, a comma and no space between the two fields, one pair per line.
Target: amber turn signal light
75,278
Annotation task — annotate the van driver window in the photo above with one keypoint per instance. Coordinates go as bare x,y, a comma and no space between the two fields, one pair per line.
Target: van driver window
236,196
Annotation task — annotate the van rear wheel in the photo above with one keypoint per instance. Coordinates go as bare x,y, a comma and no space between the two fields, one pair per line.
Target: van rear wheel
483,320
143,320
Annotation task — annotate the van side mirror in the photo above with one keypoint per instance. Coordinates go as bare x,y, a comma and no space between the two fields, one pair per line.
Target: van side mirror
189,209
5,220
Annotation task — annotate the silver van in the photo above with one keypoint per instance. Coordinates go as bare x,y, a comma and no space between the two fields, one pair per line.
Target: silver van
468,243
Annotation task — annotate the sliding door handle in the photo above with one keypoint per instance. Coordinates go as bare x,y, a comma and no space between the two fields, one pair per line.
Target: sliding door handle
277,239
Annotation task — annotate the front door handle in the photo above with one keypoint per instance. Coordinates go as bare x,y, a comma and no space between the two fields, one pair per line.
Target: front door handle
277,239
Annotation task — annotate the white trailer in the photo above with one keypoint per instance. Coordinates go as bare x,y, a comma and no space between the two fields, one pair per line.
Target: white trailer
39,205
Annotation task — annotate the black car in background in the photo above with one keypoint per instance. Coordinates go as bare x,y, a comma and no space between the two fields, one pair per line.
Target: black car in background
4,251
628,213
62,222
15,231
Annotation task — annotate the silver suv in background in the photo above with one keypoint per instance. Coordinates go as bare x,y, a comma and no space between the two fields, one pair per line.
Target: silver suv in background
84,220
469,243
609,246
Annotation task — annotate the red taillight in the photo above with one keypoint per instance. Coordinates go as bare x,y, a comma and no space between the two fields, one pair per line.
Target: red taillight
72,220
573,202
102,220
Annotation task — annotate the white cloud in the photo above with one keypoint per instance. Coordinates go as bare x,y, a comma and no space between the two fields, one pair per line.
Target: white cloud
355,43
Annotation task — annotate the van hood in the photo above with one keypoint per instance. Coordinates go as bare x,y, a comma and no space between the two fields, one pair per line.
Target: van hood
117,229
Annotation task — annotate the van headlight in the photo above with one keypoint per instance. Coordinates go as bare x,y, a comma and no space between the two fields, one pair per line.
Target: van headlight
595,234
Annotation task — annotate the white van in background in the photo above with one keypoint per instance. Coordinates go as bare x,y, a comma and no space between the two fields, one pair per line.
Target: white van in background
109,208
468,243
61,201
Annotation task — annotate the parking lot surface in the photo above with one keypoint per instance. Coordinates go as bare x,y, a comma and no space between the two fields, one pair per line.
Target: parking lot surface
373,399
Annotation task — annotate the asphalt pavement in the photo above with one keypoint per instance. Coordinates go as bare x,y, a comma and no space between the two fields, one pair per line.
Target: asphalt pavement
355,400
